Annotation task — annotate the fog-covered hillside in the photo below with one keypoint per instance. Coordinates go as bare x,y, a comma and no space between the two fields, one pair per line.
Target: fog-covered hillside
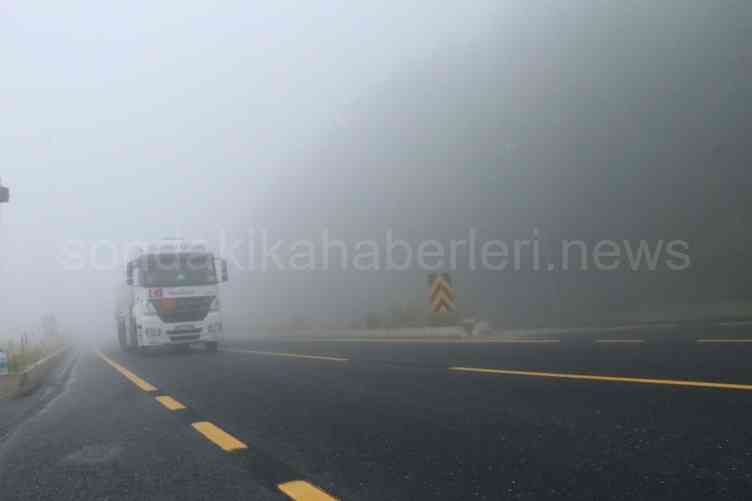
612,121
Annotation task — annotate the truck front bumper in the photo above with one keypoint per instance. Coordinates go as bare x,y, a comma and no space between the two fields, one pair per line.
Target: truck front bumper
154,332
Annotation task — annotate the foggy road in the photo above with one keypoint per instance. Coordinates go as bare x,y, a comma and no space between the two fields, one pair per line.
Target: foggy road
359,420
488,250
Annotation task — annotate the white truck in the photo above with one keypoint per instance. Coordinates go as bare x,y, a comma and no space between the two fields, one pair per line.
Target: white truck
171,297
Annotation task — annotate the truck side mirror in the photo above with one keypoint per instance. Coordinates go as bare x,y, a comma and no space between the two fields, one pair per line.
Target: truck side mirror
129,274
4,195
225,274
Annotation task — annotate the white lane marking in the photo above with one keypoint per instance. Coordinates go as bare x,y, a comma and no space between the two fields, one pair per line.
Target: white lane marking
741,340
468,340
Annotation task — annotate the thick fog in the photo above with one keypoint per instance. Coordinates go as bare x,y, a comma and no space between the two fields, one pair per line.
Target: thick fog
173,119
590,120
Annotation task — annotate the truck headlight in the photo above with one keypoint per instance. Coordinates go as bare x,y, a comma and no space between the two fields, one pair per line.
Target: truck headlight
153,332
148,309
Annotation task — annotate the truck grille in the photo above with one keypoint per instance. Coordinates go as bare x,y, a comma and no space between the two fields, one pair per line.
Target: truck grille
183,309
185,337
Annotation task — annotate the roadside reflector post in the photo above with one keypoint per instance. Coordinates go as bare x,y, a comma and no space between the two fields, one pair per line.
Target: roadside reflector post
4,194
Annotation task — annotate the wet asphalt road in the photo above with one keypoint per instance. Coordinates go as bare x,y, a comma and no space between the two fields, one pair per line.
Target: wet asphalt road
391,421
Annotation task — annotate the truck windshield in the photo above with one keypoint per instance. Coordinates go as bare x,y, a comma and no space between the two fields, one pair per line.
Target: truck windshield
175,270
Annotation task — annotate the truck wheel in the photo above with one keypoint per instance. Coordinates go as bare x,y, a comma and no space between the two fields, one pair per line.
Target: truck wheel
212,346
182,348
121,336
133,345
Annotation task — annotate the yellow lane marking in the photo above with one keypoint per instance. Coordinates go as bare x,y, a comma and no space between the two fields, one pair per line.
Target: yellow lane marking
382,340
403,340
620,341
742,340
291,355
527,341
303,491
469,340
170,403
220,437
144,385
590,377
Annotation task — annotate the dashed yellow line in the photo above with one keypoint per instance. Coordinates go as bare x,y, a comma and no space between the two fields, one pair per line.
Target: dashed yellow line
299,490
303,491
736,323
290,355
220,437
144,385
170,403
617,379
740,340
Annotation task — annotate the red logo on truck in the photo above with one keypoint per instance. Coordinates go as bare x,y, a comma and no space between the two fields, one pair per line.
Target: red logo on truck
155,292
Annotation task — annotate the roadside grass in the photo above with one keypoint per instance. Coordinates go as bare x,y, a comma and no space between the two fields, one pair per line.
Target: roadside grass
22,355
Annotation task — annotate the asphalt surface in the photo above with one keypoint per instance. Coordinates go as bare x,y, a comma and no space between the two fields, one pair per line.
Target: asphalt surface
389,420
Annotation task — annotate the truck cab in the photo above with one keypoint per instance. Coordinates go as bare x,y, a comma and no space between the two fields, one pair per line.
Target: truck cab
171,298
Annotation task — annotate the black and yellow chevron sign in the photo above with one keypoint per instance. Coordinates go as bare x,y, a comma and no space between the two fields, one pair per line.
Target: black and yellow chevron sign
442,294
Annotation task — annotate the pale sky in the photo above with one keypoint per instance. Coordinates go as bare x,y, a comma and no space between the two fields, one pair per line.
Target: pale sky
142,120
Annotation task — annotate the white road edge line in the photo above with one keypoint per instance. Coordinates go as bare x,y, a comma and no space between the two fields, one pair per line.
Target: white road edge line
289,355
